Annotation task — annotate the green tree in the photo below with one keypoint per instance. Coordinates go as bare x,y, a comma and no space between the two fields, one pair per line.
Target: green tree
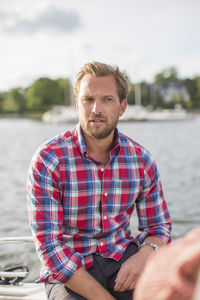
169,74
65,91
1,101
169,79
193,86
145,93
198,90
45,92
14,101
131,96
42,94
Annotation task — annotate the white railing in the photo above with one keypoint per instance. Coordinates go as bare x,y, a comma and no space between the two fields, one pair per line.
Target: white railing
13,240
13,274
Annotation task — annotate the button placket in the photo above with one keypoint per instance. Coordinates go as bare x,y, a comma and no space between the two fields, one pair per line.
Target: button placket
105,221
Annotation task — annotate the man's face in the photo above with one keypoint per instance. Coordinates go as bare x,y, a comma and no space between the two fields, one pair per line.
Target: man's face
99,106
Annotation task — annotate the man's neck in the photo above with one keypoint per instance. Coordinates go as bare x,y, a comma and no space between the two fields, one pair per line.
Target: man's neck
99,149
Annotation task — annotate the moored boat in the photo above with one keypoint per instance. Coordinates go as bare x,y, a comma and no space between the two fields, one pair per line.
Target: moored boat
68,114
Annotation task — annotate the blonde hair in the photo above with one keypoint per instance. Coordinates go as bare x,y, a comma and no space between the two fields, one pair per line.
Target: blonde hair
100,69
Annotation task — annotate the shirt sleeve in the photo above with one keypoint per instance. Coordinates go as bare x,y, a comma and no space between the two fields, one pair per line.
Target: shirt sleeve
153,214
46,219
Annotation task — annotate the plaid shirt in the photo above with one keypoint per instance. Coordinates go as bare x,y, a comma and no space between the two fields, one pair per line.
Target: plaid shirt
77,206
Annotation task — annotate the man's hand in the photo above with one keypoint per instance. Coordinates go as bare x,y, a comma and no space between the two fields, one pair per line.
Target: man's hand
85,285
131,270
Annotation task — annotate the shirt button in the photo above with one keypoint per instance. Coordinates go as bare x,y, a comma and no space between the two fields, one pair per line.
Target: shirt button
105,194
105,217
101,244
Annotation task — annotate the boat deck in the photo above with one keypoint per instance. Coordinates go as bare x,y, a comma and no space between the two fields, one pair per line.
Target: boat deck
26,291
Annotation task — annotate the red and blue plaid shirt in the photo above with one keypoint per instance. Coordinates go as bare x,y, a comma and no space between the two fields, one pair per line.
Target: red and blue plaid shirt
77,206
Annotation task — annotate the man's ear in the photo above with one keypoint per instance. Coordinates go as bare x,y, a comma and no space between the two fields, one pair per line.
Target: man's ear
123,106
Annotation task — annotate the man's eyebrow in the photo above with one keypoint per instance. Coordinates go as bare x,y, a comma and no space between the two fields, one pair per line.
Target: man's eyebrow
86,96
93,96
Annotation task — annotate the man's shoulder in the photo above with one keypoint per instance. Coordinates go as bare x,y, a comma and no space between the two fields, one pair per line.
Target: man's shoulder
131,144
55,145
58,140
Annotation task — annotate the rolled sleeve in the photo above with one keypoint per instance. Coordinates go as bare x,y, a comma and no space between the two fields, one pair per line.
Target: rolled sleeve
153,214
45,210
73,263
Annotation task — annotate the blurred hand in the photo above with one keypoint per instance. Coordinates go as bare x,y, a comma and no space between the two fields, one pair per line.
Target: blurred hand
171,274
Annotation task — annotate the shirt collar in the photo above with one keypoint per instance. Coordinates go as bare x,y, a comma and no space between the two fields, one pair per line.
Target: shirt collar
79,139
78,134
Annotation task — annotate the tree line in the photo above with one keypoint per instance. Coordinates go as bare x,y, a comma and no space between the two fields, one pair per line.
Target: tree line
38,97
166,91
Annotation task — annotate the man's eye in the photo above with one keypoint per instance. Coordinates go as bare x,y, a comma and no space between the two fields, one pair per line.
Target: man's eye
108,99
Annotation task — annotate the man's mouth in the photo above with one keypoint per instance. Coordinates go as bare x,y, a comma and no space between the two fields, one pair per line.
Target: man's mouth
97,121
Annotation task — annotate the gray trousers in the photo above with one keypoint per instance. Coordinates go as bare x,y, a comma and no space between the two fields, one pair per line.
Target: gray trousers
104,270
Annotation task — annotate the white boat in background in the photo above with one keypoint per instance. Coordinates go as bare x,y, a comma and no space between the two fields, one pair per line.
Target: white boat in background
11,285
176,114
60,114
140,113
135,113
68,114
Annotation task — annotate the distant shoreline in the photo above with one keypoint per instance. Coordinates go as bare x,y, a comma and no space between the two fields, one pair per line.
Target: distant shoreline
36,116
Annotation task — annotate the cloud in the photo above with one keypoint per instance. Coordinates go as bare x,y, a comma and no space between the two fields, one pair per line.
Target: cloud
51,19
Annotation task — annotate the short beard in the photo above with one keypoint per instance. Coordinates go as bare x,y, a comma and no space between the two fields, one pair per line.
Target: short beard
102,134
105,133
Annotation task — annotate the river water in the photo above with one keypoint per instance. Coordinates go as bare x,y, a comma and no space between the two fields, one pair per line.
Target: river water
174,145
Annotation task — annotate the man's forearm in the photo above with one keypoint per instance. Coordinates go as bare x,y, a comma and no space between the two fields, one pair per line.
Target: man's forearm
85,285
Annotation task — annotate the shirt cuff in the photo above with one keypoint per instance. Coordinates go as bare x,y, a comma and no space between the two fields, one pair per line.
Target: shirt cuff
160,233
75,262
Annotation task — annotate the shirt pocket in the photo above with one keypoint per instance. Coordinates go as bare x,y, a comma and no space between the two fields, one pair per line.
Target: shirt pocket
124,193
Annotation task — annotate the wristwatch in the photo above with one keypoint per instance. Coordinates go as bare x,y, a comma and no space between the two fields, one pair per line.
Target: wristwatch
150,244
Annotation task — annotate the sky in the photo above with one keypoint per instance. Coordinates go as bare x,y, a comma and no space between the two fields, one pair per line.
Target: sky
48,38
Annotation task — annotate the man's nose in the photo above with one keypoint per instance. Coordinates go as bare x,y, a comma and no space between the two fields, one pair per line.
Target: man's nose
97,107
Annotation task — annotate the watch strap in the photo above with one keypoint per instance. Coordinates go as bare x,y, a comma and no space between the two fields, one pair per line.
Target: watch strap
150,244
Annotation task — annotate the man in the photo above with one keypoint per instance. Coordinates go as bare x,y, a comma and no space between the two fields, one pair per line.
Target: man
82,189
172,273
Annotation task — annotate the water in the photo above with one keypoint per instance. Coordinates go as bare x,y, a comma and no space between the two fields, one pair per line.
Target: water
174,145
